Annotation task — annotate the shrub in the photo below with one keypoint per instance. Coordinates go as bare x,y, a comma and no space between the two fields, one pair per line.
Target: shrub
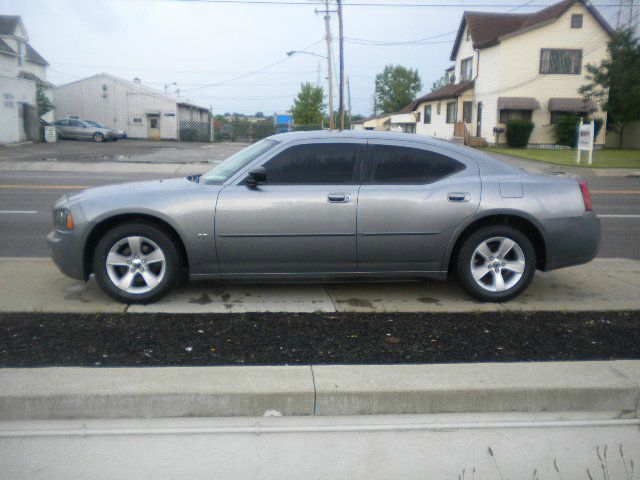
518,132
566,130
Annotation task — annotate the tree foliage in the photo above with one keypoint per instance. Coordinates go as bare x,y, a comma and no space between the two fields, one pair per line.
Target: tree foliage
308,106
441,82
43,101
396,86
614,83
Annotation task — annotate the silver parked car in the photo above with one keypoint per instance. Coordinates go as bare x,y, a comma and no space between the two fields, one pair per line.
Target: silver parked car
329,205
116,134
75,128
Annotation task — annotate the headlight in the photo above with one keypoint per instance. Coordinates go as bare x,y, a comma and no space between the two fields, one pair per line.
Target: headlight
62,219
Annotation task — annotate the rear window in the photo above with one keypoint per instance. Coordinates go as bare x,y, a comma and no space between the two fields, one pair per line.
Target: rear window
396,165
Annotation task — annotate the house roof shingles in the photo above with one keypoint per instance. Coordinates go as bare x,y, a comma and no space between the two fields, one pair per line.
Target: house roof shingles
6,49
487,29
450,90
8,24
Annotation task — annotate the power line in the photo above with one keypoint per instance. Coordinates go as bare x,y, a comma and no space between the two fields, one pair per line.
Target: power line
249,73
364,41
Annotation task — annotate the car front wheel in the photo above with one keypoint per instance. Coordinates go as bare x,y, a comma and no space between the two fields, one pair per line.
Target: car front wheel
496,263
136,263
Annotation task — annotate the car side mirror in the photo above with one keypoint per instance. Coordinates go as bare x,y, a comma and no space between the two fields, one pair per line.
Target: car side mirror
256,175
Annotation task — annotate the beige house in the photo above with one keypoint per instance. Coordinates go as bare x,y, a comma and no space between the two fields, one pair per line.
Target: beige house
377,122
516,66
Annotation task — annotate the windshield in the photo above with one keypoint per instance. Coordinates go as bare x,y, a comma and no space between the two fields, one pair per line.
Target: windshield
235,162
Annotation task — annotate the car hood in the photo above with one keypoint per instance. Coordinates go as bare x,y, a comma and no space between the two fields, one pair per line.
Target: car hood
138,188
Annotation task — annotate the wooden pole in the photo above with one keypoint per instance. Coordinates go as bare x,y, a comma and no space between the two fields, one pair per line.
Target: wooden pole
341,47
327,27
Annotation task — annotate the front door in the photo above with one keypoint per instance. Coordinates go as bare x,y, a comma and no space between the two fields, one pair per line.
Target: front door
301,220
412,199
479,121
154,127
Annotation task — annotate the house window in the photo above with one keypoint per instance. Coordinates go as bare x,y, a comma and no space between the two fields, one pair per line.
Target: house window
556,115
466,111
506,115
451,112
136,120
427,114
576,21
418,117
466,69
20,53
555,60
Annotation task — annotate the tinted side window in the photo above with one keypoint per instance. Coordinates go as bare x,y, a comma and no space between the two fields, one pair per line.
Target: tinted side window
314,164
391,165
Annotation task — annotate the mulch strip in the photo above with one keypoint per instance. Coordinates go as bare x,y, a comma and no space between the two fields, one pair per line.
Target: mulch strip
116,340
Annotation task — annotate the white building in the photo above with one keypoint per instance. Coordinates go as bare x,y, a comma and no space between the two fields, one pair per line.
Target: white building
517,65
22,69
140,111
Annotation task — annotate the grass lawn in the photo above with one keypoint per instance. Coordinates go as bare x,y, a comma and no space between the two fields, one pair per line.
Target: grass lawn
607,158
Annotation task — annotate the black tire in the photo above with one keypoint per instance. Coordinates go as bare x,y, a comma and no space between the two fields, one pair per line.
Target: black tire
463,266
164,242
98,137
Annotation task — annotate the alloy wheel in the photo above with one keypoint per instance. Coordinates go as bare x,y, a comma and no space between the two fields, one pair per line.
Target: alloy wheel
136,264
497,264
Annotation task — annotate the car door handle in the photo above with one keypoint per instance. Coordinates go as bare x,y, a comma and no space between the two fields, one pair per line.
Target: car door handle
338,198
459,197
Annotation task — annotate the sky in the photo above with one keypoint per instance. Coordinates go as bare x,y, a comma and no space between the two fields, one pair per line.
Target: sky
191,44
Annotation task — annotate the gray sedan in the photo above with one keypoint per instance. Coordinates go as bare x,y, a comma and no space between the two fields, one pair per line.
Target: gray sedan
328,205
79,130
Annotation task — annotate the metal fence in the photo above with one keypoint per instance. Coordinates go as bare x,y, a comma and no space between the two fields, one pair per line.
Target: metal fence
235,132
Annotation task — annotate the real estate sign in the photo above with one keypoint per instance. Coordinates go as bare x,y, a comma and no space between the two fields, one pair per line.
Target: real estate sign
585,140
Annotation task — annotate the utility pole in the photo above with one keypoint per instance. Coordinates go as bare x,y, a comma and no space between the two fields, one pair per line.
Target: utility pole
318,80
341,46
327,27
349,101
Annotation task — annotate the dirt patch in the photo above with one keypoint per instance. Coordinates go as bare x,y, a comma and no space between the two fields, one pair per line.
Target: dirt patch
39,339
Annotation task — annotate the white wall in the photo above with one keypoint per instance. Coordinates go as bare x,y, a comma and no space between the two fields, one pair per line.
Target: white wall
438,126
20,91
487,90
465,50
117,105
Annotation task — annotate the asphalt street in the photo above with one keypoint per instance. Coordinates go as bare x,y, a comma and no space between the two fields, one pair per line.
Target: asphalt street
26,199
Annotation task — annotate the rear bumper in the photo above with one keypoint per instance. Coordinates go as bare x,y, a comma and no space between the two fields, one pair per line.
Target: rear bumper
66,253
572,241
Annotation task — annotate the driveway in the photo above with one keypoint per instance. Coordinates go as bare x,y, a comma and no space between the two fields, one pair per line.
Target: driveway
143,151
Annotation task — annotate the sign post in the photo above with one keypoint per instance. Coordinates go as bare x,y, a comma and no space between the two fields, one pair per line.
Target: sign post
585,140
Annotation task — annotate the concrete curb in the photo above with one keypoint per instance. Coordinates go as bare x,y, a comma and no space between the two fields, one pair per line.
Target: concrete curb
89,393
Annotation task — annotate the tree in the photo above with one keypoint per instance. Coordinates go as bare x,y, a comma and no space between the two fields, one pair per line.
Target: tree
441,82
614,83
396,87
308,106
43,102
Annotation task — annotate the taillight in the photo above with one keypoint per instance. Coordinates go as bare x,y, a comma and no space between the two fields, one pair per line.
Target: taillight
586,197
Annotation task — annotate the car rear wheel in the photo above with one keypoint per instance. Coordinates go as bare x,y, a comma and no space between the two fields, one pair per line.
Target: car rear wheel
136,263
496,263
98,137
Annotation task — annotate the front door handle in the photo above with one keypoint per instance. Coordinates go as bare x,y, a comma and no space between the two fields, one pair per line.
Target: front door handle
338,198
459,197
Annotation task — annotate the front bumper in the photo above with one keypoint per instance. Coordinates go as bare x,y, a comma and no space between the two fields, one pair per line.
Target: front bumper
66,253
572,241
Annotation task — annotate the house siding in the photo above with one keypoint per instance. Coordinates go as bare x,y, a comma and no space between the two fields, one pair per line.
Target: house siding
465,51
520,56
487,90
438,127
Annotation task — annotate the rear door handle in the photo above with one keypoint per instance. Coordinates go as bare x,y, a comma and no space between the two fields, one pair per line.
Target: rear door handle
459,197
338,198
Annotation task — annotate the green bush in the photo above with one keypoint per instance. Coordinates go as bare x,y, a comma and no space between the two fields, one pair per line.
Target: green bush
566,130
518,132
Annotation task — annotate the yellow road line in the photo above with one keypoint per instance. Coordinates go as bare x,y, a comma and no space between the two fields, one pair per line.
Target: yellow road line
615,192
43,187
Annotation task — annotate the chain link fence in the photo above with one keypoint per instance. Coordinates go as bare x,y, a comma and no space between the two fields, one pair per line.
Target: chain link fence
235,132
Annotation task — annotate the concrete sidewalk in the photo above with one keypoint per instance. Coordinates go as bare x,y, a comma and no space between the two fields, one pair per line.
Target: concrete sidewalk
35,284
323,390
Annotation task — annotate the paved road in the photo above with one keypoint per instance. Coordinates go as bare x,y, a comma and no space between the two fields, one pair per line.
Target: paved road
26,199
